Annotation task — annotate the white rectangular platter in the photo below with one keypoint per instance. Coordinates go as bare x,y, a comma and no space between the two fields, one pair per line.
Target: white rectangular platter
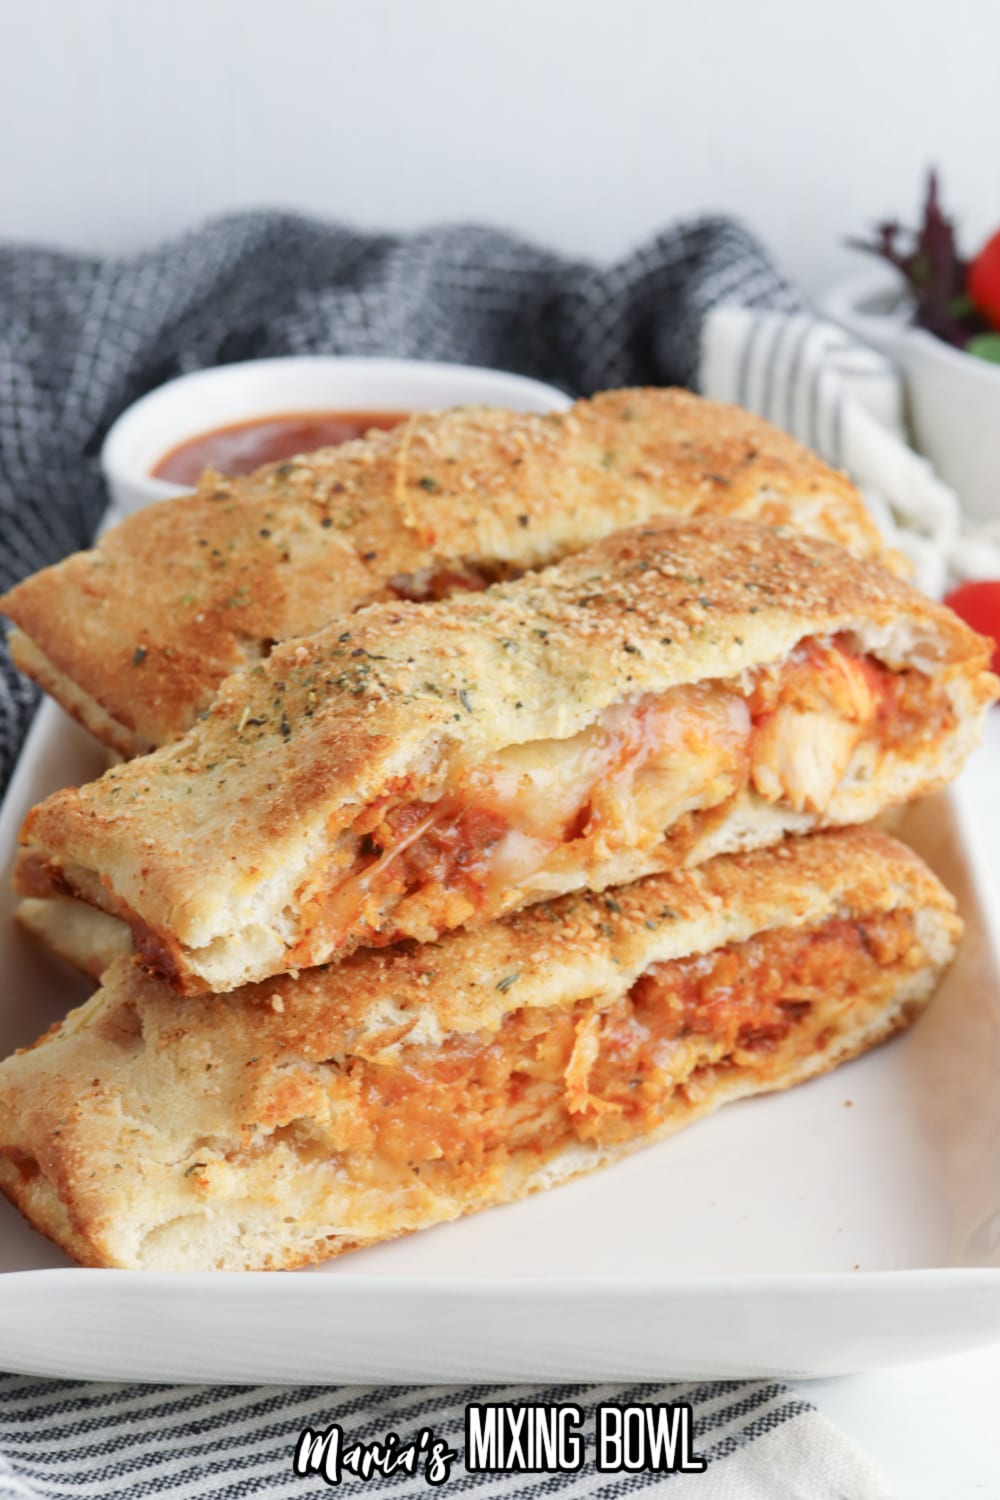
848,1224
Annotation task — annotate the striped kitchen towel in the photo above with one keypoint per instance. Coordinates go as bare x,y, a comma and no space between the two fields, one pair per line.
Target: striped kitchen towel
68,1440
845,401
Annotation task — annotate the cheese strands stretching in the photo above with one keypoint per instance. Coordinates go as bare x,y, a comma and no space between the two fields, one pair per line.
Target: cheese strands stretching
292,1120
135,636
683,689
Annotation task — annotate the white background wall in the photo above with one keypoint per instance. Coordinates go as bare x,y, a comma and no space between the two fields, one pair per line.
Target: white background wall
583,123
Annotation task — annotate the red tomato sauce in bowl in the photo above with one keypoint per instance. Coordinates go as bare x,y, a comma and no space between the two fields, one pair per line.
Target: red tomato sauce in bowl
244,446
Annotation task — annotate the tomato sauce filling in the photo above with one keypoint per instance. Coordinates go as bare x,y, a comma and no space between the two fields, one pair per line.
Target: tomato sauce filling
456,578
550,1076
524,825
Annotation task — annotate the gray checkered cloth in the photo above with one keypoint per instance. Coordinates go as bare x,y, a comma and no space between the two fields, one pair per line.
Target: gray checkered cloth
80,339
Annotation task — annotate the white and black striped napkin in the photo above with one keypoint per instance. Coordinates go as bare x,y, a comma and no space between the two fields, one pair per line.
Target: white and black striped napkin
69,1440
80,339
845,401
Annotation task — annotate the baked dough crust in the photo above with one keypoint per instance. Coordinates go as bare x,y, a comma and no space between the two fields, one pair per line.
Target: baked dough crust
89,939
135,636
152,1132
213,847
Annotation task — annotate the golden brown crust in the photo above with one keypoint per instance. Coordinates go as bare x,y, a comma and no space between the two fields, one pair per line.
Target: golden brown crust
135,636
144,1111
213,836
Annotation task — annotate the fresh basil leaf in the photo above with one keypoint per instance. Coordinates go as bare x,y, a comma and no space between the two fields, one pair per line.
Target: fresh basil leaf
985,346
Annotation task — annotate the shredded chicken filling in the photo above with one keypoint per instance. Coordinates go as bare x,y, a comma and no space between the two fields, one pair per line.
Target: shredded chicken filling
442,582
610,1074
655,768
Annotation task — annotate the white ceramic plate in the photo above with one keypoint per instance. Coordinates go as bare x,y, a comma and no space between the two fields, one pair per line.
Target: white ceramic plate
851,1223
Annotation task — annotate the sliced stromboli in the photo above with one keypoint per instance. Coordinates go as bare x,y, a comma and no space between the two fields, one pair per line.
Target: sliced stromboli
683,689
298,1118
135,636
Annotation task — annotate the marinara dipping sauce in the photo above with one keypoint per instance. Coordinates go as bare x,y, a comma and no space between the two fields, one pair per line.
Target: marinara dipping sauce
244,446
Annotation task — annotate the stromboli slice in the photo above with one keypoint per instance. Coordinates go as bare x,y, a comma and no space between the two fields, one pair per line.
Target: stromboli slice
135,636
298,1118
682,689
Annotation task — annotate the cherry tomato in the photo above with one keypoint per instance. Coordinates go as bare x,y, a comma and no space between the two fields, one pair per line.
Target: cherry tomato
983,283
978,604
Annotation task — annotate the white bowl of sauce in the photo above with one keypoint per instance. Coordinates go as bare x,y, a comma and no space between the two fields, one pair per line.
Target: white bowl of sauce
234,418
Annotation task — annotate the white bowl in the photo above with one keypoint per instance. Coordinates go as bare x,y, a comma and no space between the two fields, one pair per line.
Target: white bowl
226,394
953,398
